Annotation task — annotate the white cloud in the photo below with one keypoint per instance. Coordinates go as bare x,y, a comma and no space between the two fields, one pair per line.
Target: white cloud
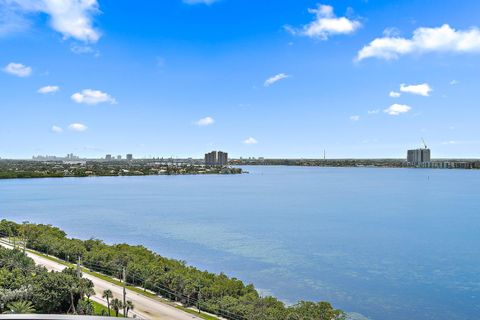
355,118
250,140
92,97
207,2
461,142
422,89
454,82
72,18
397,109
11,21
48,89
18,69
326,24
57,129
275,78
424,40
207,121
394,94
84,49
375,111
79,127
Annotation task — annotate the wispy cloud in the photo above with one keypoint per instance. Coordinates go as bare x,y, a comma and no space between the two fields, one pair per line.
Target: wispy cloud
250,140
71,18
423,89
394,94
18,69
374,111
355,118
48,89
92,97
207,121
424,40
326,24
84,49
56,129
78,127
461,142
275,78
454,82
207,2
397,109
11,21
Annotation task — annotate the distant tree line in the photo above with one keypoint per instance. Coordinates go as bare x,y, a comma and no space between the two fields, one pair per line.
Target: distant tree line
173,279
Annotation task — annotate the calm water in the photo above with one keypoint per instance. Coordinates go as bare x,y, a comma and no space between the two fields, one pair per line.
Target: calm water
386,243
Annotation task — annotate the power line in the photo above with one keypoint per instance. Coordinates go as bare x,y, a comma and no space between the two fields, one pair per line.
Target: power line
161,288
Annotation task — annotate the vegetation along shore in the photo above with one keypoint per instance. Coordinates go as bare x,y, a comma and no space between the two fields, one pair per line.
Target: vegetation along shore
171,279
13,169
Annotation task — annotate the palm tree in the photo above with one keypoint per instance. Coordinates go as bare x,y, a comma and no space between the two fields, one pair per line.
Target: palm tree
116,306
21,306
107,294
129,306
89,292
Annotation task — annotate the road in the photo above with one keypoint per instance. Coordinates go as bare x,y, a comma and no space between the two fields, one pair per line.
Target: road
145,307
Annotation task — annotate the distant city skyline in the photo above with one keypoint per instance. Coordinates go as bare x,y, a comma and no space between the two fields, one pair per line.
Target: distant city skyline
361,79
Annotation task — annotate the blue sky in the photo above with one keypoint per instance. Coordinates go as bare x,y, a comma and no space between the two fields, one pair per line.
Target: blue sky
254,78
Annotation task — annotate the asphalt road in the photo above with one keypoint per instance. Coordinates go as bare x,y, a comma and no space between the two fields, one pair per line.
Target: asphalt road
145,307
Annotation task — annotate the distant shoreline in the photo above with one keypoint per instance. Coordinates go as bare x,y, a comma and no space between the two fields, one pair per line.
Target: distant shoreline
28,169
362,163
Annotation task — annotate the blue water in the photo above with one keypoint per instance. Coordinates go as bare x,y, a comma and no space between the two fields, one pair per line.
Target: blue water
386,243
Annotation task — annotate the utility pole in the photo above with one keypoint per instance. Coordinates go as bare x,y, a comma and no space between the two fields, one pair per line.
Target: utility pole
198,299
24,243
79,270
24,228
124,290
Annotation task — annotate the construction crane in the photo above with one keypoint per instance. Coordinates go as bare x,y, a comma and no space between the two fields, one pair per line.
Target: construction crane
424,144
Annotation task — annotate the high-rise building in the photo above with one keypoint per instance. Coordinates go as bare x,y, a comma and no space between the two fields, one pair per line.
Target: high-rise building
215,158
129,157
108,157
211,158
119,157
418,156
222,158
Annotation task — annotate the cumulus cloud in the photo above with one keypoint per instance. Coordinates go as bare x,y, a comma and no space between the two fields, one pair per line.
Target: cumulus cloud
78,127
397,109
56,129
207,121
424,40
18,69
355,118
394,94
422,89
275,78
326,24
48,89
207,2
92,97
71,18
250,140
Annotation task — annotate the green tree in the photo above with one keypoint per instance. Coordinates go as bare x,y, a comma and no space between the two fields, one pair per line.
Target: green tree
116,306
85,307
129,306
107,294
21,306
